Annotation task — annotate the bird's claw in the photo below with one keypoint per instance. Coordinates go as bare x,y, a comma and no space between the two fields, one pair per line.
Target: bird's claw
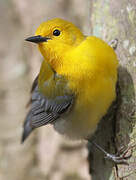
116,159
114,43
119,158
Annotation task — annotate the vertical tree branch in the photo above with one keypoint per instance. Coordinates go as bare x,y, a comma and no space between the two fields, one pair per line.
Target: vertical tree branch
110,20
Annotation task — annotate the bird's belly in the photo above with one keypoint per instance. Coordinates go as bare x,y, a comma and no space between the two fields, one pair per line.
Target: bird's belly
77,125
75,133
86,113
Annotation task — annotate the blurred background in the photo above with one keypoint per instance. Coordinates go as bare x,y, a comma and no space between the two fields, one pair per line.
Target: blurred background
45,155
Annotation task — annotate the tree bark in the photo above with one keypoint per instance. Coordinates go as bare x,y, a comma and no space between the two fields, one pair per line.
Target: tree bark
110,20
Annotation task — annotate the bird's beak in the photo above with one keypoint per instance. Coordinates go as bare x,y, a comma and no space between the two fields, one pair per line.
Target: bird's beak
37,39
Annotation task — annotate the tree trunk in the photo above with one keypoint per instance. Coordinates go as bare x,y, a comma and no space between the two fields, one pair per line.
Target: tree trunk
110,20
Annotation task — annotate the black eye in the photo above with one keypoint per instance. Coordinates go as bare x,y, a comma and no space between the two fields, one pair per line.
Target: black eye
56,32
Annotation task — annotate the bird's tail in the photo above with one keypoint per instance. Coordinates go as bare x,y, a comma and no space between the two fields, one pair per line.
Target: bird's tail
27,128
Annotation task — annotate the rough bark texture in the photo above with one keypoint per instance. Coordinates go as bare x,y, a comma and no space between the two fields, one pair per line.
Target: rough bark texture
110,20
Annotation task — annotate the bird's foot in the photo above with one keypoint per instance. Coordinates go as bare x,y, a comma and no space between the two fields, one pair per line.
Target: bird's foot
120,157
114,43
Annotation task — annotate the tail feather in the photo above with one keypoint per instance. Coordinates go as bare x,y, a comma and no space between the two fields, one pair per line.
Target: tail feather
27,128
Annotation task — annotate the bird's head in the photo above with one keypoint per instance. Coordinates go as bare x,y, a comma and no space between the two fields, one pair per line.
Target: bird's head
55,37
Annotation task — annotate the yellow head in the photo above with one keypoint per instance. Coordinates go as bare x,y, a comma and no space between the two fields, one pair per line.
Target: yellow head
55,37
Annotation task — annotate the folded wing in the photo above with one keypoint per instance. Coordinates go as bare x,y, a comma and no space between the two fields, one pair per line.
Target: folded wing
44,110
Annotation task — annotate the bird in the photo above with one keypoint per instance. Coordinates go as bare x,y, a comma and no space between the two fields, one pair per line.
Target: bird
76,84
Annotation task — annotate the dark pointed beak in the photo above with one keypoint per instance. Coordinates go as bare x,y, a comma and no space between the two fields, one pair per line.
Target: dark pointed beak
37,39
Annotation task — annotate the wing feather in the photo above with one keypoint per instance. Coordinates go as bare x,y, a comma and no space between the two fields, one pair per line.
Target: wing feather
44,110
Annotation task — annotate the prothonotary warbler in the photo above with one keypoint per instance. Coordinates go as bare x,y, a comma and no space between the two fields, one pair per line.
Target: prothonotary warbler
77,81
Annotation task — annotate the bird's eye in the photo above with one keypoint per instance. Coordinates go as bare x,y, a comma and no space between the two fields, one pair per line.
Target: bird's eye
56,32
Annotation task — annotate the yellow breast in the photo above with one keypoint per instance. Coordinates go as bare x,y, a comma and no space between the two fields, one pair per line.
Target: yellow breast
90,71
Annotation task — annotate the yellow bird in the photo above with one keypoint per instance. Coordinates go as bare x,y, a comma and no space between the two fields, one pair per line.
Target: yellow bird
77,80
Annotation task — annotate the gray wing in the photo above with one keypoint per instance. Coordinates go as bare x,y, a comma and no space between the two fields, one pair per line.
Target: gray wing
44,110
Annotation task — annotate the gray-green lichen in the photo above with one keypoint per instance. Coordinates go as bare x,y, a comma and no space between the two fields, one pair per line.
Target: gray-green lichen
117,19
